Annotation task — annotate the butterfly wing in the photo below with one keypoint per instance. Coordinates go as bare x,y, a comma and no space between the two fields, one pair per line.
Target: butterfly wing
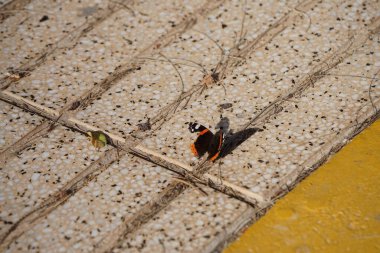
215,146
200,146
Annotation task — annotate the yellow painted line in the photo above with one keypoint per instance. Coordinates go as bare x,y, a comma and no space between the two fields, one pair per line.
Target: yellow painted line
335,209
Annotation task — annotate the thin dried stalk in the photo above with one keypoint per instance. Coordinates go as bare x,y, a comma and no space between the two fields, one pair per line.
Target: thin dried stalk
123,144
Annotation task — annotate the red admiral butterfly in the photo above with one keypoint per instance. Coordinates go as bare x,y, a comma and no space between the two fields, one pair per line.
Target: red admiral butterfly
206,141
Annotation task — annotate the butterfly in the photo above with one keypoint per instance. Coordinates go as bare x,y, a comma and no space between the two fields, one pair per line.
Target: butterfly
206,141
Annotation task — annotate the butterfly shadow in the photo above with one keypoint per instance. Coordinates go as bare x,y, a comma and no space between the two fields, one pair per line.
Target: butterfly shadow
233,140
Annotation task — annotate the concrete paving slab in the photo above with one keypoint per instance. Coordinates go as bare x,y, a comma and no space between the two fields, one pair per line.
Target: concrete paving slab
97,209
146,91
14,123
317,62
189,224
253,86
99,53
309,126
39,171
37,26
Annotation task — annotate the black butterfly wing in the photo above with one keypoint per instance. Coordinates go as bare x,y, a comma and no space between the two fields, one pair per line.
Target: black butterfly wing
215,146
201,144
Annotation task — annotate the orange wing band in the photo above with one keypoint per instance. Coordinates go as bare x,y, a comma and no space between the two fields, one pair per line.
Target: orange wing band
219,148
203,132
215,156
193,149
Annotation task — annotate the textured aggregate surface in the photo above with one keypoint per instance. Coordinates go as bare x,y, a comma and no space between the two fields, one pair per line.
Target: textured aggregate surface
61,194
14,123
143,93
96,55
307,125
187,225
282,69
41,169
98,208
34,28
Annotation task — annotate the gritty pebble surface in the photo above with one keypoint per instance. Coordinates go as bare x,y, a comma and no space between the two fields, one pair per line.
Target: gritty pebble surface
14,123
253,77
40,170
187,225
97,209
306,128
40,27
98,53
142,94
313,122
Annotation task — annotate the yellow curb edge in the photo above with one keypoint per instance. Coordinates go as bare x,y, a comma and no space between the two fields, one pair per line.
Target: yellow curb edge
335,209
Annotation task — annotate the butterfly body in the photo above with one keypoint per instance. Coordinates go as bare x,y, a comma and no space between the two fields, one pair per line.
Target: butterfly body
206,141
